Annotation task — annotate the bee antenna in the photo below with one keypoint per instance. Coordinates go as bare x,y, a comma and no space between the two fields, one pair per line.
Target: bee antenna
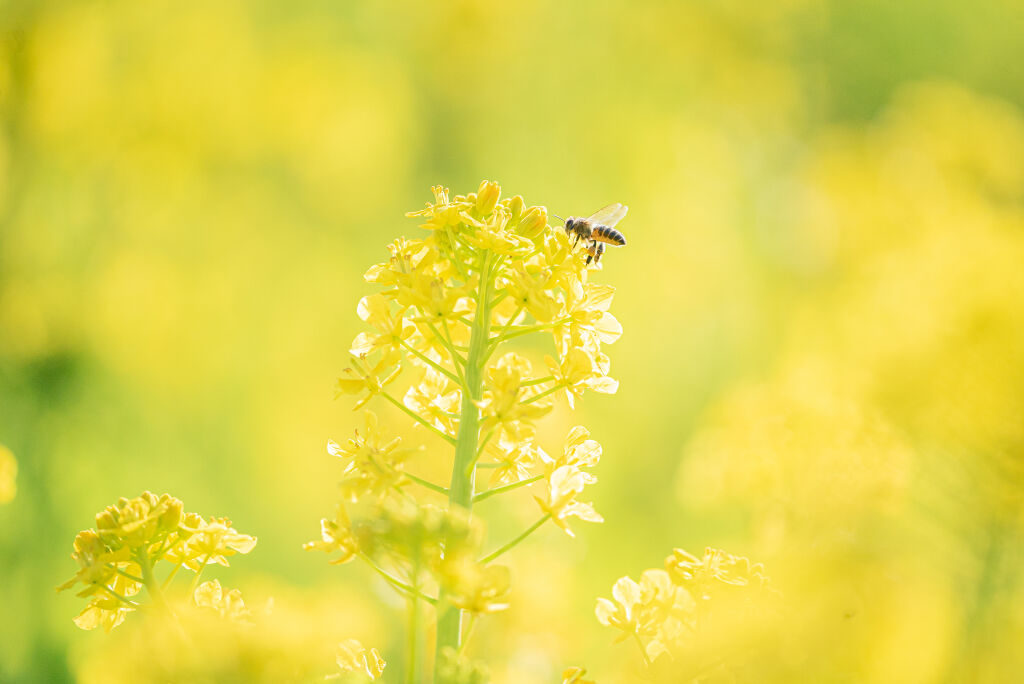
558,217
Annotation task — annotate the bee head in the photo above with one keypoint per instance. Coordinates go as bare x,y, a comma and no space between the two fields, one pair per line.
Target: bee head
569,223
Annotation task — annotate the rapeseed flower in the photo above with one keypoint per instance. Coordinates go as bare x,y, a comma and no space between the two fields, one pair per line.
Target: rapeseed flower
117,559
489,271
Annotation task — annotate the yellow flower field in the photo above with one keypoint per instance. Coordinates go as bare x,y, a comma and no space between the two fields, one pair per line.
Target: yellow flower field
309,369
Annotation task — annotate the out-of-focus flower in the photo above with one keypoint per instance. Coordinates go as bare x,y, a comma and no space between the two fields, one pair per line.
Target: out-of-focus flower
456,668
352,656
8,475
117,559
575,675
373,464
701,575
689,606
226,604
475,587
652,610
336,535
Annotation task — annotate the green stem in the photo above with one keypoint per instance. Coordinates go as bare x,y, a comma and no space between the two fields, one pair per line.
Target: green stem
458,359
512,544
525,330
455,256
170,576
119,597
419,419
643,651
469,632
483,444
411,669
543,394
428,484
199,573
149,580
420,355
460,491
497,300
506,488
122,573
405,588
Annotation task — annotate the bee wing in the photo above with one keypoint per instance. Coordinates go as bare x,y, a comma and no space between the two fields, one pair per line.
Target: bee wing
609,216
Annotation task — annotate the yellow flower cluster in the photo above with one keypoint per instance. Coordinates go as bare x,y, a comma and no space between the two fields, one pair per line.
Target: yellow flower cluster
489,271
117,558
534,282
214,638
430,548
666,609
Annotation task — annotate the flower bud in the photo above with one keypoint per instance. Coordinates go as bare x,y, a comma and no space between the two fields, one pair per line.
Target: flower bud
106,520
533,222
487,196
440,194
171,516
515,208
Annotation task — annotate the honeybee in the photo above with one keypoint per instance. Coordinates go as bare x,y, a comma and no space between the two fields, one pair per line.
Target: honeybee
598,229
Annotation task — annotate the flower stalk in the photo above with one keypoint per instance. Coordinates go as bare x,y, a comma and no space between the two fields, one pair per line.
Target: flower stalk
490,271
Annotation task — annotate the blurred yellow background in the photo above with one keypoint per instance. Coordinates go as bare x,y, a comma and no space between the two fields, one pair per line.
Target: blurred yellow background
822,296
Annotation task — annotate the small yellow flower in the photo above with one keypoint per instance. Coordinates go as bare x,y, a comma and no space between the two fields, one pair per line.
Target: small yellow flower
534,222
715,569
533,292
501,404
352,656
436,400
653,609
336,535
213,542
589,324
579,370
8,475
475,587
516,456
564,484
496,239
228,605
107,613
579,451
487,197
358,380
391,329
373,463
139,521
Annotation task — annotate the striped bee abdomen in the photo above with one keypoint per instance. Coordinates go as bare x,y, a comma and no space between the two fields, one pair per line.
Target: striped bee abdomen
609,235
